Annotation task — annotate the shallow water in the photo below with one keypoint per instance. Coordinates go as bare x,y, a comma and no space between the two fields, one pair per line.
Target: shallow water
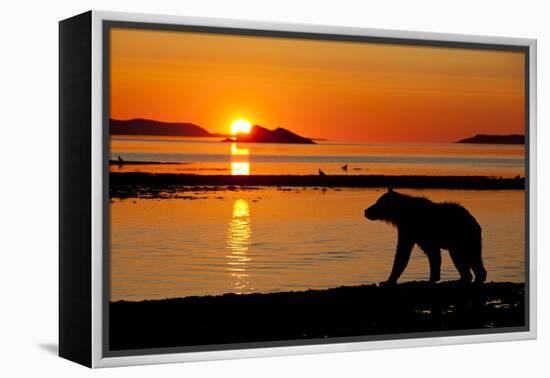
271,239
210,156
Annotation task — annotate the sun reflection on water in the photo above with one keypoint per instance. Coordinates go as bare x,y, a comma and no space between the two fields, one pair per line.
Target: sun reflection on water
235,150
239,160
240,168
238,240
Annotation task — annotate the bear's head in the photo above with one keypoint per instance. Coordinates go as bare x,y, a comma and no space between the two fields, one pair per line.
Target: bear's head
386,208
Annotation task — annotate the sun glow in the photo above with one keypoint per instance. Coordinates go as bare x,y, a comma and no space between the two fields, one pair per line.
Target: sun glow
240,126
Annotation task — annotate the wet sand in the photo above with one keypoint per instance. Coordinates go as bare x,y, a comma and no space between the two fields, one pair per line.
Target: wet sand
128,185
316,314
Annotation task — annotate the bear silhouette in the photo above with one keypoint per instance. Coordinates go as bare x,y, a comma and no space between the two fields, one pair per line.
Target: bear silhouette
432,226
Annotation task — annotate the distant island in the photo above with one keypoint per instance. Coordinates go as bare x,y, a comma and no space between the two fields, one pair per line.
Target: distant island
140,126
259,134
495,139
149,127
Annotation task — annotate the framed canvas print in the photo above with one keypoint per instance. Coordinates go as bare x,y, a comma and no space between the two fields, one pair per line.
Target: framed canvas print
233,189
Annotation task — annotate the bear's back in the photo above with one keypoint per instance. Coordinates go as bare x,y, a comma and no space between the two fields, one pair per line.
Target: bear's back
450,224
438,224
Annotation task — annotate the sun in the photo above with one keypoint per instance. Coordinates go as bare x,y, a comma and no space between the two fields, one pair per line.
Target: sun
240,126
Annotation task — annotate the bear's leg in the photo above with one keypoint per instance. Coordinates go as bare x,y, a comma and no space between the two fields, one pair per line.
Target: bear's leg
479,270
476,261
459,257
434,255
405,245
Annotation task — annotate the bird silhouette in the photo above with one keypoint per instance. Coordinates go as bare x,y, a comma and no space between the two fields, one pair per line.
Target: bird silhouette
345,167
321,173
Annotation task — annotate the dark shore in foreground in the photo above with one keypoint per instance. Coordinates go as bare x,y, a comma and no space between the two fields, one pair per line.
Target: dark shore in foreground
136,184
315,314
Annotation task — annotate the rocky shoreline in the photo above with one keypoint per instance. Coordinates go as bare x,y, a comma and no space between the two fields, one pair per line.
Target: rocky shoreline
366,310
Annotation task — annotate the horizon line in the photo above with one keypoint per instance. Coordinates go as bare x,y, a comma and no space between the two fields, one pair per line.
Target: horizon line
218,134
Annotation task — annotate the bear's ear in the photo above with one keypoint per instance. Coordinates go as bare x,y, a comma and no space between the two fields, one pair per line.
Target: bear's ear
390,189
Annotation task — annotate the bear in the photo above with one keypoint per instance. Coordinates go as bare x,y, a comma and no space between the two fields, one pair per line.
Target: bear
432,226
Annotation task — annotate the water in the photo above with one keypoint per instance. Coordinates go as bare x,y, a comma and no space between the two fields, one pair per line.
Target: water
270,240
210,156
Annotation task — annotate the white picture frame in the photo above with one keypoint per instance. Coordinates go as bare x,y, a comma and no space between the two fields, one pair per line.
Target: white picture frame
98,357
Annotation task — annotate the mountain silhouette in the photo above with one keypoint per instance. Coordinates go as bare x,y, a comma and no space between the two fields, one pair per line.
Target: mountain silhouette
495,139
139,126
259,134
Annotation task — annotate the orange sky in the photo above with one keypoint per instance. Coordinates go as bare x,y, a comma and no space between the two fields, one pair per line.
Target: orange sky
334,90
